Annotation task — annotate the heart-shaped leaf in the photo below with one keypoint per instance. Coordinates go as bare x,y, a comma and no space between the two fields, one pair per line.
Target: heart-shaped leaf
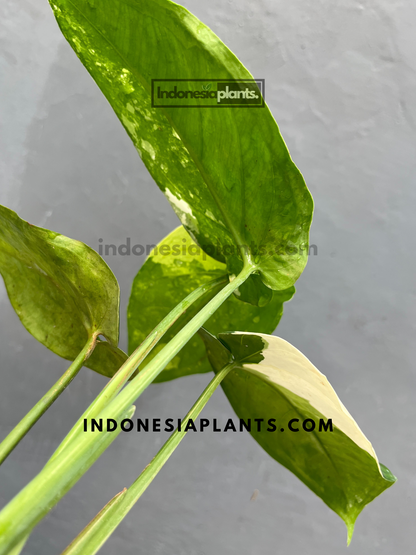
226,171
176,267
271,379
62,291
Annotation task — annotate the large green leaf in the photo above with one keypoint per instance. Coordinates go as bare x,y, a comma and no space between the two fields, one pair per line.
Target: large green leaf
226,172
272,379
175,268
62,291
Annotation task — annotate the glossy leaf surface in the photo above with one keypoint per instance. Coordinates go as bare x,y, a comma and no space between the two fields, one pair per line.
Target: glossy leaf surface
175,268
226,172
273,380
62,291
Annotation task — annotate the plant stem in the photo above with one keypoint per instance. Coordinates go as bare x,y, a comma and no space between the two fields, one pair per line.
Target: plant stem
89,541
42,493
22,428
127,369
46,489
88,533
18,548
136,387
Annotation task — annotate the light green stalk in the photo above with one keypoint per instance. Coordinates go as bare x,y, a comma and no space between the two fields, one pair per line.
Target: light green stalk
22,428
136,387
123,374
45,490
51,483
89,541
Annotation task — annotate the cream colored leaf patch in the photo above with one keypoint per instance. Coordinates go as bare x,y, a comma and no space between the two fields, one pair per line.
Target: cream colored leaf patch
286,366
297,417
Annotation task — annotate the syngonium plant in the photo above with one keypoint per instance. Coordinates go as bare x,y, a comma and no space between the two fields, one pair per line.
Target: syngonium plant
231,181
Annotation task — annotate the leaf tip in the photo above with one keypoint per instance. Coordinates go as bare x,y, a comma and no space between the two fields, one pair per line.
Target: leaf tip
387,474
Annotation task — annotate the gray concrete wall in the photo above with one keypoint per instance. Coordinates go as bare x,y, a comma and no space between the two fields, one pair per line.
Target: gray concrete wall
340,80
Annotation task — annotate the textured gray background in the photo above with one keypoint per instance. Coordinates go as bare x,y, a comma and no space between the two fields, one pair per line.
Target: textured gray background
341,82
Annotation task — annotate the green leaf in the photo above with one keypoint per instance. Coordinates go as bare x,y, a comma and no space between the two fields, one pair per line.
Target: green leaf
174,268
226,171
253,290
273,380
62,291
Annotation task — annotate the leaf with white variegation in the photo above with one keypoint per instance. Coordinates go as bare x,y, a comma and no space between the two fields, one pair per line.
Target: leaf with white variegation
271,379
226,172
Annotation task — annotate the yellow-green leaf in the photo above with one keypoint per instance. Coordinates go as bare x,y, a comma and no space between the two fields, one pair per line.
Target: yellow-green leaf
62,291
176,267
226,172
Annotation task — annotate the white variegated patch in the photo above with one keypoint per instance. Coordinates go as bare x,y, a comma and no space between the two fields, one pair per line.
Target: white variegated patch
286,366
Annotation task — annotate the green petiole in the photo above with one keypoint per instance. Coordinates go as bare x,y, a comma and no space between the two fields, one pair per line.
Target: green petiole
58,476
123,374
89,541
28,421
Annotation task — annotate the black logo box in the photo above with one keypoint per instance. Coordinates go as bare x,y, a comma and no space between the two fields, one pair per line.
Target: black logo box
223,82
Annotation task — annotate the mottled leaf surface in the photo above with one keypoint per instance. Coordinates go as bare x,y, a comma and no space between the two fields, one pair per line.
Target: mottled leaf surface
62,291
226,172
273,380
173,270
